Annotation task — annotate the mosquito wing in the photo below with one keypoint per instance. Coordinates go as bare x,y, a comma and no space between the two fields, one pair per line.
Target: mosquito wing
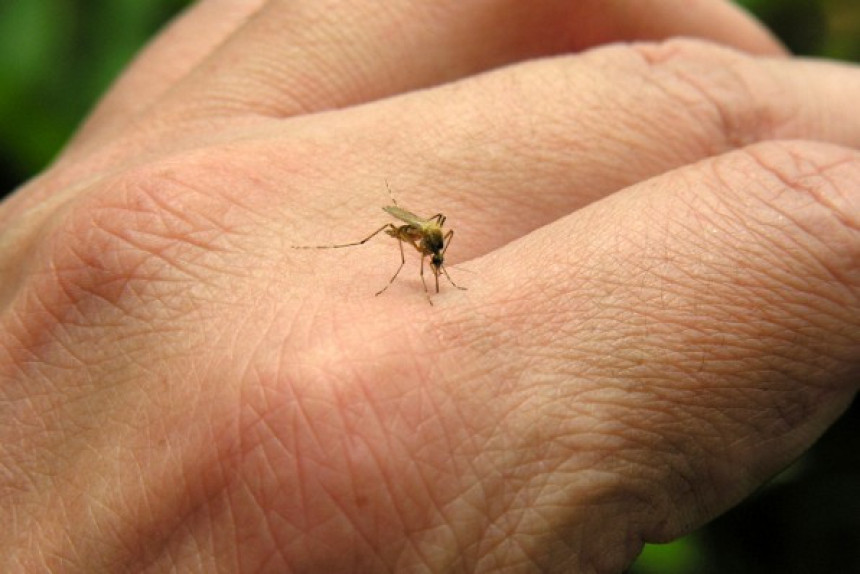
406,216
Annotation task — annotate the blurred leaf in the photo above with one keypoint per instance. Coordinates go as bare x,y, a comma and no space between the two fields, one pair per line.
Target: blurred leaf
32,34
843,38
801,24
683,556
56,58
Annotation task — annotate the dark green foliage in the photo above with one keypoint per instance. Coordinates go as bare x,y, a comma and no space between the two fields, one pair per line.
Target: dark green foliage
56,57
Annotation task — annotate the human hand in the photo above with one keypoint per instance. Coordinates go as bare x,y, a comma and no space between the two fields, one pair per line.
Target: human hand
180,390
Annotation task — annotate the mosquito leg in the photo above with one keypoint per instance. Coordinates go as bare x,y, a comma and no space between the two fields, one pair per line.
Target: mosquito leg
366,239
423,282
338,246
422,274
440,219
447,241
402,263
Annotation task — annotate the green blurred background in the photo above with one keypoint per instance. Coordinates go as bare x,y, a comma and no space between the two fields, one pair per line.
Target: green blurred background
57,56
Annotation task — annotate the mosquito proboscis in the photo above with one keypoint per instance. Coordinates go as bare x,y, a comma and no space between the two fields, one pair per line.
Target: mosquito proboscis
426,235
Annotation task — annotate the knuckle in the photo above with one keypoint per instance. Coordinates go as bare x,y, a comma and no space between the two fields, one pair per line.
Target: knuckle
795,214
142,236
811,185
726,91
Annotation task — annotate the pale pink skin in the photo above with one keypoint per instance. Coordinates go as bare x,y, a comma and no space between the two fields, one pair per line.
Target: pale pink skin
181,391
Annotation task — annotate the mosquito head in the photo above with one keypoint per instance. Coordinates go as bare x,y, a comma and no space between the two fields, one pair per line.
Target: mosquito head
436,262
434,244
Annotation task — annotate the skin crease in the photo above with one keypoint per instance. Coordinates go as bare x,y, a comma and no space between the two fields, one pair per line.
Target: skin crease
659,240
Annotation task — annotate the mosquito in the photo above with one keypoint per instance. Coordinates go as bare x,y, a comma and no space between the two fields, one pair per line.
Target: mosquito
424,234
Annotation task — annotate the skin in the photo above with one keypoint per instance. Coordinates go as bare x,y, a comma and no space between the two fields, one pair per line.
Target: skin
660,244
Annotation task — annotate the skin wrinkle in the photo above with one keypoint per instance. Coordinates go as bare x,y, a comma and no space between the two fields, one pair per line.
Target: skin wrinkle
504,548
379,460
261,515
310,421
112,512
811,178
345,72
186,237
663,77
482,496
100,263
159,219
162,547
215,459
438,505
305,47
535,484
814,231
672,393
833,273
468,542
219,503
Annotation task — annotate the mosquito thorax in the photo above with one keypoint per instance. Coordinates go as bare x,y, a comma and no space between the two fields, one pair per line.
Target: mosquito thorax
433,241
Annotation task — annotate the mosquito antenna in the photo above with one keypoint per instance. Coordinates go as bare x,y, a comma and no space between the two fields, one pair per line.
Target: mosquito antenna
460,269
445,271
390,193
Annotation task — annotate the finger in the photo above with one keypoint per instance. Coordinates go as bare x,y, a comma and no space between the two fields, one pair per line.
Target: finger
686,338
302,57
290,58
172,54
512,150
